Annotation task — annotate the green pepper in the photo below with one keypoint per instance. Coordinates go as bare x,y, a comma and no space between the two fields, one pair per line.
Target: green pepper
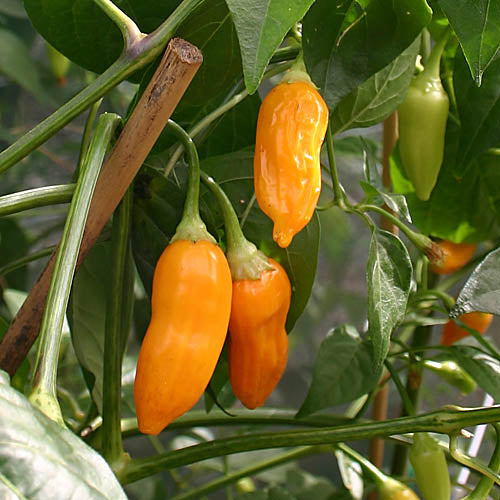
431,470
453,374
422,125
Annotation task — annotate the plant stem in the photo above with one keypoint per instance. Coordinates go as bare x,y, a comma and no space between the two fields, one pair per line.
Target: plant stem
485,484
217,113
445,421
253,469
410,410
16,264
87,133
43,394
339,197
375,472
464,459
129,30
141,53
34,198
115,332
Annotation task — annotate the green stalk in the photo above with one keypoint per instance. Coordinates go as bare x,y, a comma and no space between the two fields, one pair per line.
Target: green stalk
490,475
129,30
483,487
87,134
43,394
245,260
230,478
408,405
445,421
35,198
115,331
141,53
16,264
191,227
374,472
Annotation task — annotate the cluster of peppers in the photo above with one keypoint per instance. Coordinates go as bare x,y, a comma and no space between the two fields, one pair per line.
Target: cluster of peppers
243,290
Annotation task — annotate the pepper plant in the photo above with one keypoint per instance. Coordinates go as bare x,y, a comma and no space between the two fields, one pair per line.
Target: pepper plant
139,96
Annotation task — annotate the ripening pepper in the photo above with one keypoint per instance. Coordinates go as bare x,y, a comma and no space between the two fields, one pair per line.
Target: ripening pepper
391,489
191,304
431,470
291,126
258,342
479,321
422,125
455,256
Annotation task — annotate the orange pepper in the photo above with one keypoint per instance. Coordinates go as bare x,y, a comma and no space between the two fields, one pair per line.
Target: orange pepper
455,256
291,127
191,304
477,320
258,343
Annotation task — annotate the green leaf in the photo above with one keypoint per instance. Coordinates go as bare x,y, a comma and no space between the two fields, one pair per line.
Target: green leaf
479,112
87,314
374,100
482,367
459,209
389,272
36,454
13,245
70,27
481,292
261,26
339,64
16,63
344,370
351,473
235,131
475,22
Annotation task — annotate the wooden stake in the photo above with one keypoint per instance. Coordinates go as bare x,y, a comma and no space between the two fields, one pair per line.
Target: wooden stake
171,79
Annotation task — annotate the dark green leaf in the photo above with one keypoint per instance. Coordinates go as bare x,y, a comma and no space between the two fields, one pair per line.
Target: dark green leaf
220,387
374,100
87,313
36,454
344,370
261,26
389,273
340,64
481,292
17,64
459,209
476,24
13,245
235,131
479,111
482,367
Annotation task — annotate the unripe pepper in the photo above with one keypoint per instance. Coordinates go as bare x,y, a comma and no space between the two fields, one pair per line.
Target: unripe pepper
453,374
422,125
258,342
59,64
455,256
431,470
291,126
191,304
476,320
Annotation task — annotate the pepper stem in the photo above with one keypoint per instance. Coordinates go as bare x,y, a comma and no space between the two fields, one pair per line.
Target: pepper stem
432,66
298,72
246,261
191,227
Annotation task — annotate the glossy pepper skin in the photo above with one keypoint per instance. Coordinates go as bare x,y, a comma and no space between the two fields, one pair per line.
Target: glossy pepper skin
258,343
395,490
477,320
291,127
455,256
191,304
431,470
422,120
